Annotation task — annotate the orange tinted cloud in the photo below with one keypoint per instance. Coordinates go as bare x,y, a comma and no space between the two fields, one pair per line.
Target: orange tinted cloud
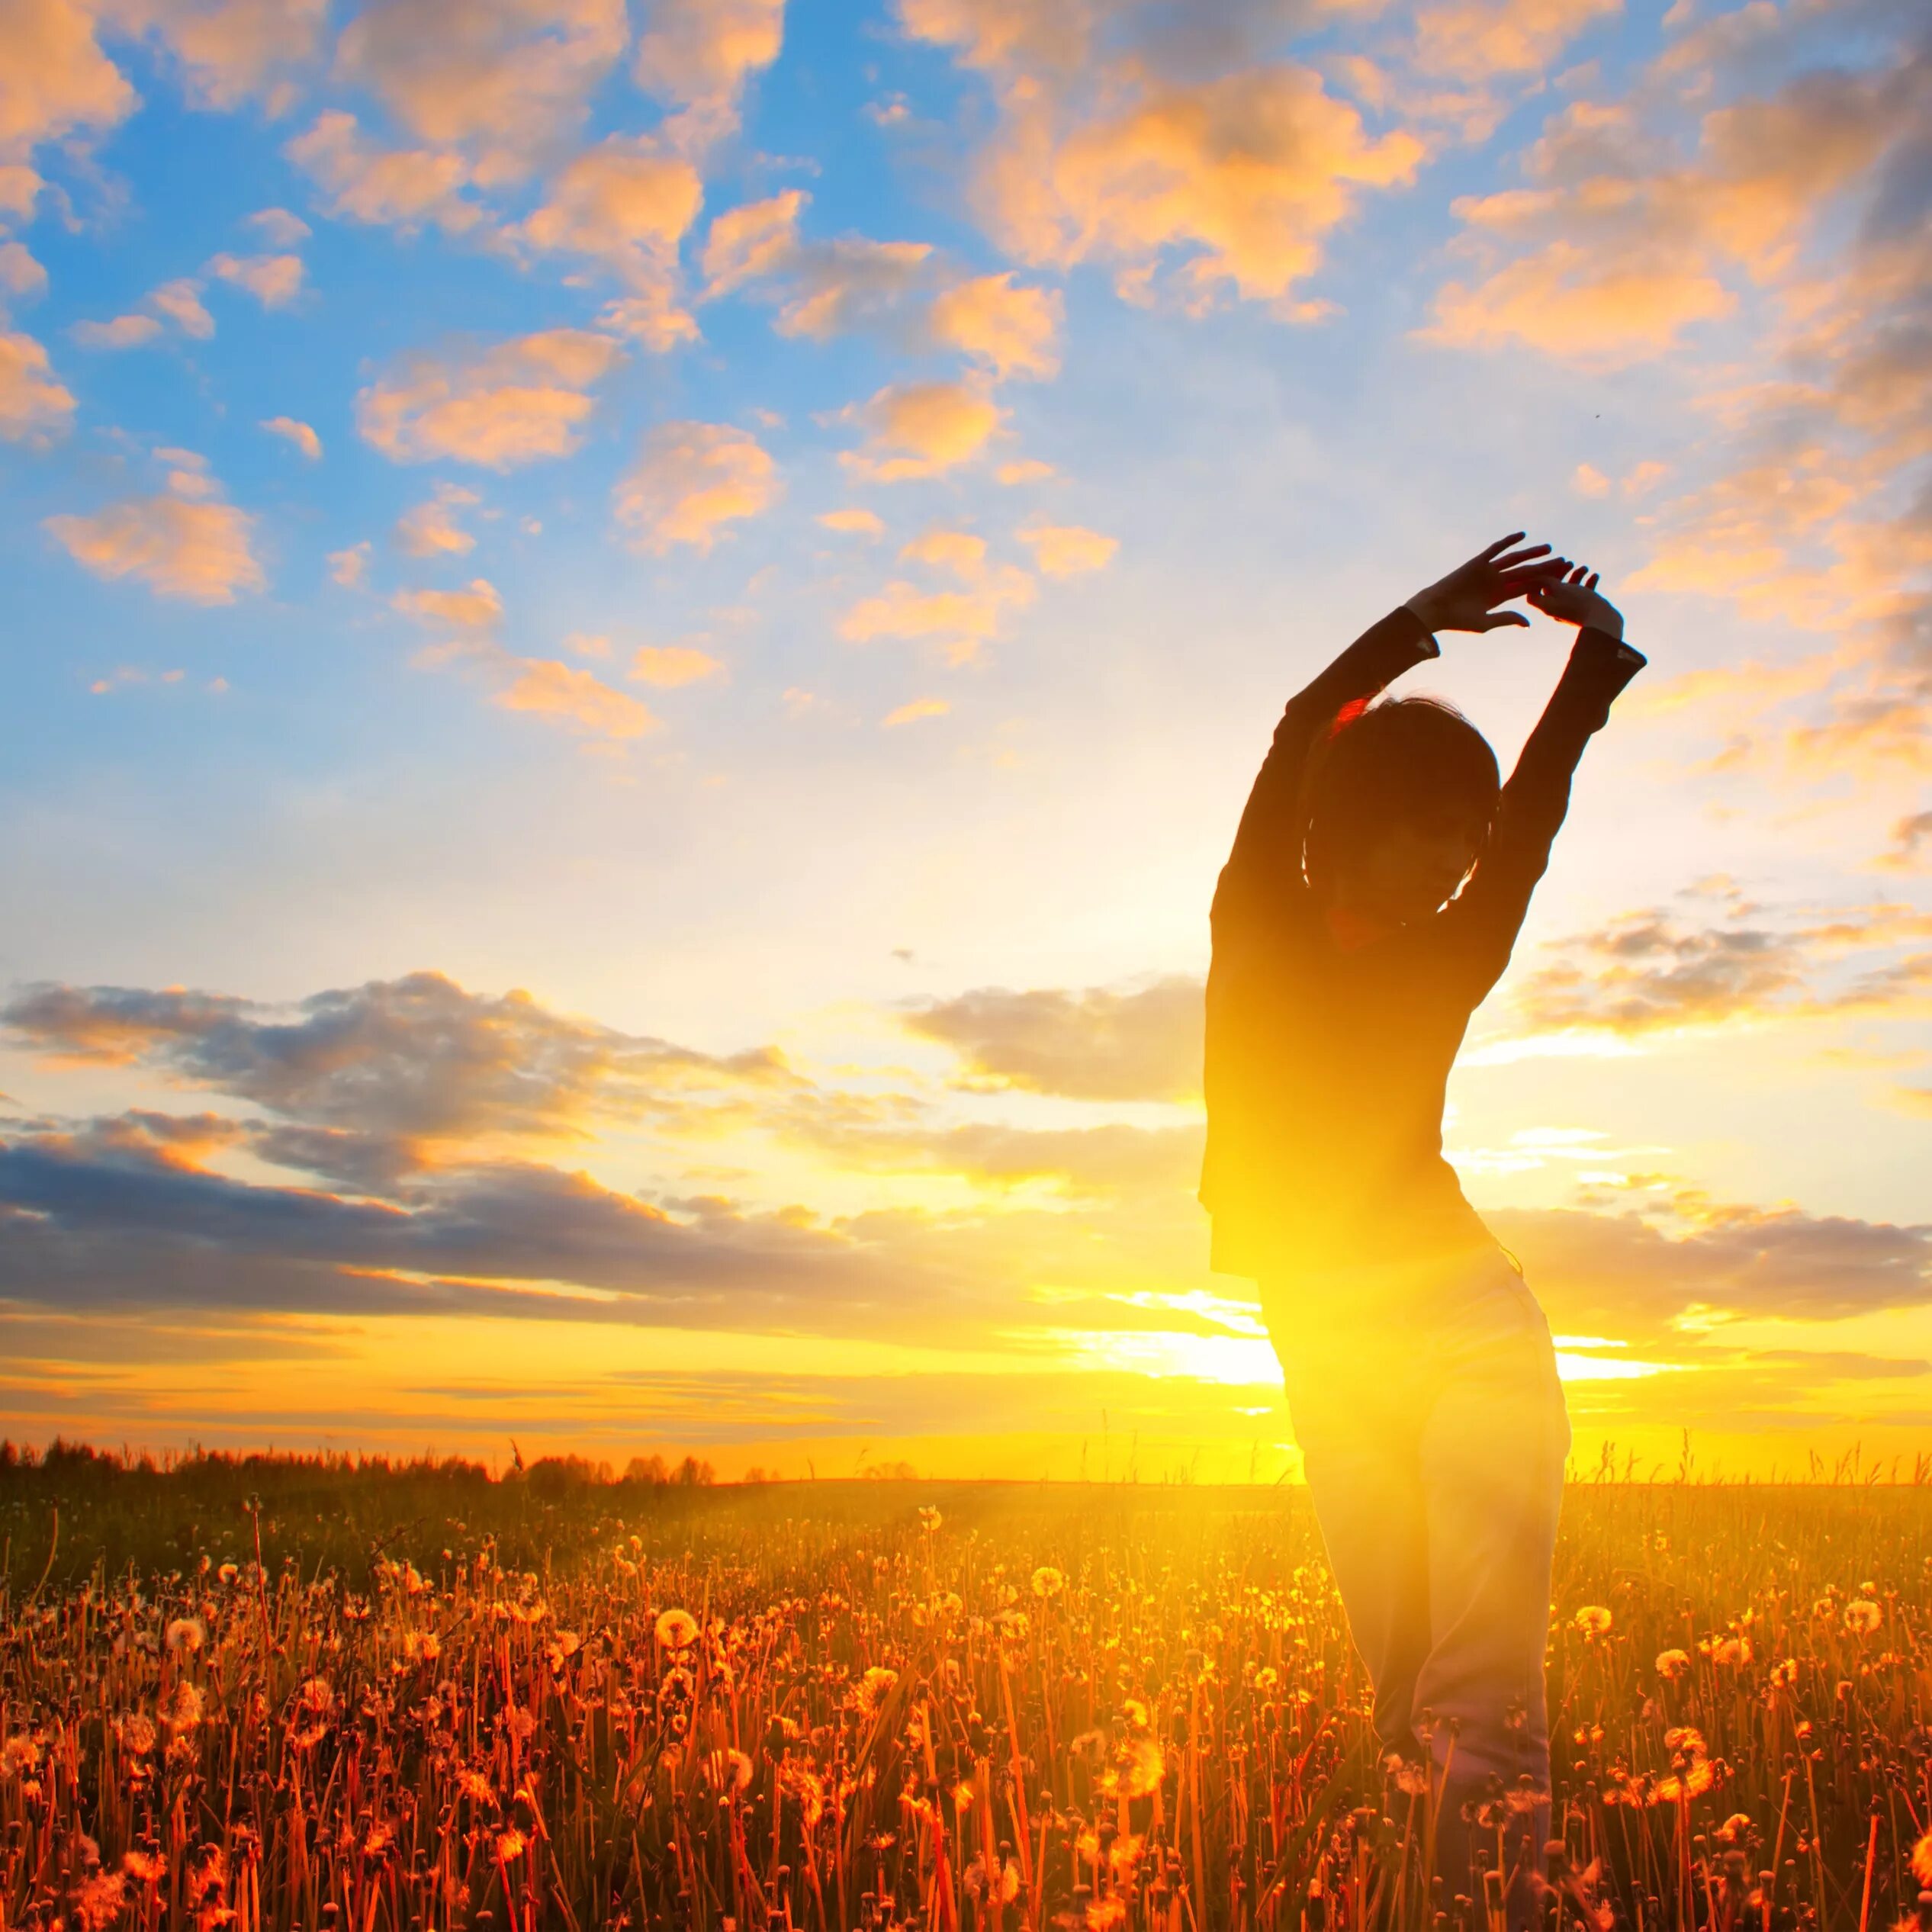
695,50
919,429
399,187
691,480
227,49
1241,175
624,203
1013,330
668,666
1094,1044
1067,550
54,80
122,332
507,78
1473,40
957,551
475,608
274,280
853,522
567,695
911,712
299,433
514,402
960,621
180,301
430,529
750,242
185,543
34,405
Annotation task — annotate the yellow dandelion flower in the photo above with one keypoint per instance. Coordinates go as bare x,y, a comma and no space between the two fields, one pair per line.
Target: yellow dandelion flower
1922,1860
1672,1664
509,1845
1863,1616
872,1689
1593,1620
1048,1582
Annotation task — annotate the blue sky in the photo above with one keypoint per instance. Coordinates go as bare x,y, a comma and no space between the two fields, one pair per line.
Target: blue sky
1138,357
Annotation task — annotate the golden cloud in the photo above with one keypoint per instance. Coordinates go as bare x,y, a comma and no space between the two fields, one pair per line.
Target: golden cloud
910,712
185,543
299,433
853,522
691,480
180,301
54,80
567,695
509,79
227,49
916,429
34,405
668,666
1067,550
957,551
1473,40
626,203
1094,1044
122,332
696,50
959,621
430,529
401,187
751,241
274,280
478,608
1012,330
515,402
20,274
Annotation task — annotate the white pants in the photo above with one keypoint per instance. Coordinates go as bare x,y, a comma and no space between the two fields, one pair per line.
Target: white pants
1434,1445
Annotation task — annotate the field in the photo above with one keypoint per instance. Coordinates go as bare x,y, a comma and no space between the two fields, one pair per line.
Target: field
287,1694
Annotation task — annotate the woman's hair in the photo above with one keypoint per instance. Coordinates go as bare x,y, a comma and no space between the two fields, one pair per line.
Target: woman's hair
1399,761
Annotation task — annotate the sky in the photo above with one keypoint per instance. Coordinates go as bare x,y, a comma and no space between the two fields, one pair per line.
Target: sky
636,635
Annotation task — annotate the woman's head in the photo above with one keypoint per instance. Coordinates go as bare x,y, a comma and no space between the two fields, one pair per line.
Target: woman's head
1401,797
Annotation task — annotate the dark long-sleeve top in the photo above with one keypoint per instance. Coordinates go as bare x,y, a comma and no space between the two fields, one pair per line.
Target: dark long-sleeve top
1326,1067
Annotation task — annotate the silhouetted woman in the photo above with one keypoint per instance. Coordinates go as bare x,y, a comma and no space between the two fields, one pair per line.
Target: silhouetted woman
1417,1365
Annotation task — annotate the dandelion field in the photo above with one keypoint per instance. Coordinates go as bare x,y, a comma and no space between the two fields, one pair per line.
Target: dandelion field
281,1694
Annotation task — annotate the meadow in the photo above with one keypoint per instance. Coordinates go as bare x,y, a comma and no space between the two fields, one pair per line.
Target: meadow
281,1693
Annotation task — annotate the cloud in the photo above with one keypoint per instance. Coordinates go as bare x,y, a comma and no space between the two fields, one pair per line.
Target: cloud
695,50
401,187
852,522
1473,40
510,79
430,529
960,621
180,301
299,433
669,666
227,49
1652,971
626,203
957,551
279,227
54,81
419,1058
822,288
1230,182
274,280
20,274
690,480
1912,838
751,241
123,332
185,543
350,567
34,406
478,608
511,403
911,712
1012,330
1067,550
918,429
1096,1044
568,695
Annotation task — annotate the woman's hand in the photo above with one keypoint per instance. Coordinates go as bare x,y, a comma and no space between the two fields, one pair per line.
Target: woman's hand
1573,599
1467,598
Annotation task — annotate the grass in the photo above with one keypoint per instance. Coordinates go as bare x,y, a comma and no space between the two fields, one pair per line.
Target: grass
293,1694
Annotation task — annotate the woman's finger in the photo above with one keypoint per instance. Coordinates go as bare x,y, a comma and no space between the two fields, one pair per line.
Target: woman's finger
1500,544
